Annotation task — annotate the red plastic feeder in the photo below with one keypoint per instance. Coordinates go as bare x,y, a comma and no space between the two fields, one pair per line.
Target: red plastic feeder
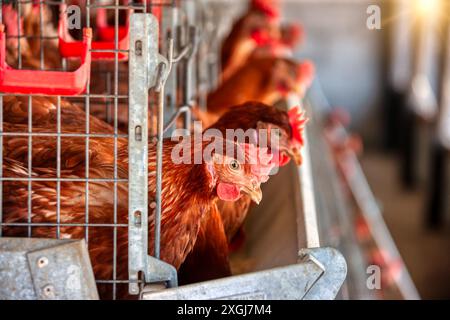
67,45
46,82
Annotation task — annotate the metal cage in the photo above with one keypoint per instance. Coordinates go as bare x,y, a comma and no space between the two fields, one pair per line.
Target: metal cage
130,80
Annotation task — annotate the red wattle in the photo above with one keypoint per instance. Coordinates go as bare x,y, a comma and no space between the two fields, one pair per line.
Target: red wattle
228,191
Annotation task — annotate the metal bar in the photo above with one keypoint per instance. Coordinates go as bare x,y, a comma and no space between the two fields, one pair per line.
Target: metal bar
174,118
19,52
307,185
50,134
41,27
25,36
142,61
58,166
162,78
169,30
159,164
1,154
87,145
62,224
62,179
96,96
118,7
116,115
107,102
372,213
110,50
30,160
188,73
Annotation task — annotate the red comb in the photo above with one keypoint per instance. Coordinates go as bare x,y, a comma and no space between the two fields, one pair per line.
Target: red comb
261,37
268,7
275,47
297,121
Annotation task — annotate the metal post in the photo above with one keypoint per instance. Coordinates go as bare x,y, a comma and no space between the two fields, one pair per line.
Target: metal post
143,46
147,69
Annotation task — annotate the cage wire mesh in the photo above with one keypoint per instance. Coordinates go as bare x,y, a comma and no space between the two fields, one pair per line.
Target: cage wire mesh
49,174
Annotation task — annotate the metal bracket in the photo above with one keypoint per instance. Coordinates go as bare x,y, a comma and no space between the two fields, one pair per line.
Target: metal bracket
45,269
318,275
143,52
333,276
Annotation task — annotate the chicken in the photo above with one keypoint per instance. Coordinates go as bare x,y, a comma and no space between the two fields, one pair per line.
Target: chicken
33,28
14,28
190,192
262,16
265,80
44,115
207,260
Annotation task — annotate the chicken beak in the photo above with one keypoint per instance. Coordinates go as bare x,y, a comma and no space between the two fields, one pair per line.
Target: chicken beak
295,154
254,192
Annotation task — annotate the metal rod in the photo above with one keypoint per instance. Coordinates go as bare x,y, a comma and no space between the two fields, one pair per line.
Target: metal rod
1,155
37,179
30,160
41,26
58,167
159,160
174,118
307,185
87,146
64,135
55,224
116,92
96,96
159,145
19,51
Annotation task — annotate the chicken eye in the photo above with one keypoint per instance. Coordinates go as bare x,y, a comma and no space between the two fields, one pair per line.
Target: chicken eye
278,133
234,165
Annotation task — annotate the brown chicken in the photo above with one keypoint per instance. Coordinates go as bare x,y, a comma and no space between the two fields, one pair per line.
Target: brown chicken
13,42
261,16
190,192
32,29
265,80
207,261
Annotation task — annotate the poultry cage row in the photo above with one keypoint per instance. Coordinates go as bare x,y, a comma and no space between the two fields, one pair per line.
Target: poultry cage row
135,58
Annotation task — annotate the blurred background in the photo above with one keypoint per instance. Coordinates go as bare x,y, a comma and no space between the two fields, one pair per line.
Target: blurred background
394,84
389,86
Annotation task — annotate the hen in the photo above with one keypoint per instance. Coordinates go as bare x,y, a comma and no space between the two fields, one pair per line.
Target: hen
14,28
190,192
209,260
34,28
265,80
263,16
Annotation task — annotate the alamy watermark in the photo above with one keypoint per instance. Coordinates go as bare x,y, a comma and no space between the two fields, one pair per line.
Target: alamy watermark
373,21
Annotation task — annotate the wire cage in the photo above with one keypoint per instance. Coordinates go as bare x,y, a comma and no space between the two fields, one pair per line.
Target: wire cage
40,41
135,79
104,96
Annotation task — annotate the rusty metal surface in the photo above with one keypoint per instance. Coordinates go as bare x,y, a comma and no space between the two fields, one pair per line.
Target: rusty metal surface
45,269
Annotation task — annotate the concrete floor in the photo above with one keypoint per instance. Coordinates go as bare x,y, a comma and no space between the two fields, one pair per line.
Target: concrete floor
426,253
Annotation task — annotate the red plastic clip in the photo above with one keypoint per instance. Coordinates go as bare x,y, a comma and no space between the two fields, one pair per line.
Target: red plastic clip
68,46
46,82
